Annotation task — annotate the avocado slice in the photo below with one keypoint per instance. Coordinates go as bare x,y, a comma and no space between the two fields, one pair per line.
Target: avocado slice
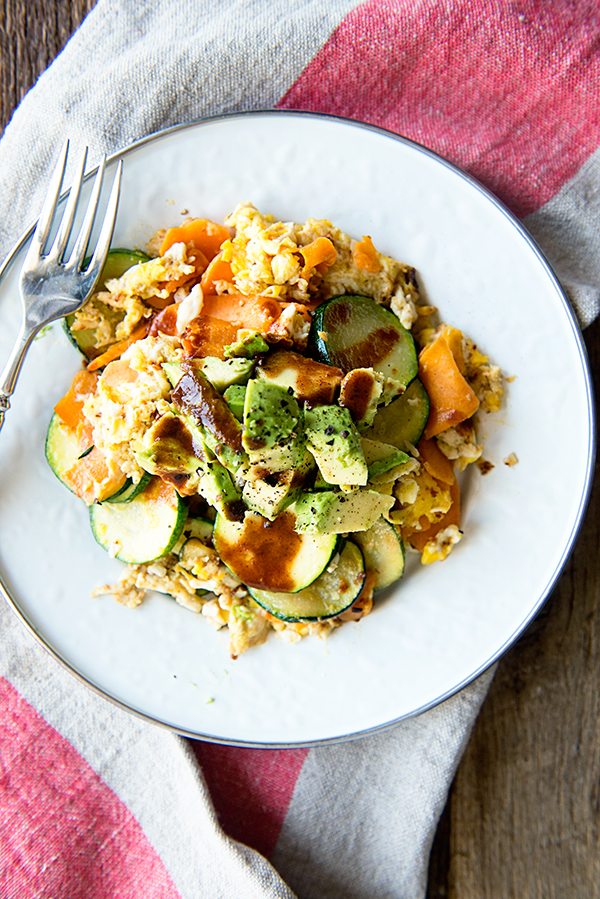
334,441
248,346
312,382
196,396
218,489
222,373
174,450
235,397
382,457
273,431
328,512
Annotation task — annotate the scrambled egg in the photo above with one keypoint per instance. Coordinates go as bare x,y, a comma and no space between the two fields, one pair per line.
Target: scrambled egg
131,393
439,548
460,445
266,259
115,312
486,380
431,501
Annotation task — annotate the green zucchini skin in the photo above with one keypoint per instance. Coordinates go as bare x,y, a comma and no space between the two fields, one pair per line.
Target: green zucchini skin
383,552
353,331
327,597
402,422
62,448
200,529
261,552
143,529
118,261
130,490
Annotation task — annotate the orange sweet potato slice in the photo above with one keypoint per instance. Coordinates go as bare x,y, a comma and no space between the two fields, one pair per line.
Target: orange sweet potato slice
207,236
117,349
91,478
206,336
70,408
365,255
218,270
451,398
319,251
257,313
435,461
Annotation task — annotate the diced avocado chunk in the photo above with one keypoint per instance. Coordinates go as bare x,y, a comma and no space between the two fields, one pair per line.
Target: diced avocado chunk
382,457
196,397
222,373
361,392
334,441
248,345
173,371
200,529
312,382
269,496
218,489
327,512
235,397
172,447
273,432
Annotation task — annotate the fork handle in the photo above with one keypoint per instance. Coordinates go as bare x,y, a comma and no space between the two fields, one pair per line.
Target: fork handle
10,372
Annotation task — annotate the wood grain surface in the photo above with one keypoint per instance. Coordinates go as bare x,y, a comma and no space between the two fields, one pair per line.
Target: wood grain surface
523,814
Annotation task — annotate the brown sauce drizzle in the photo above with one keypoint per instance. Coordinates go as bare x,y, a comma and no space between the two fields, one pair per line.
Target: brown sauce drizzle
172,431
263,555
316,383
368,352
165,322
196,395
356,393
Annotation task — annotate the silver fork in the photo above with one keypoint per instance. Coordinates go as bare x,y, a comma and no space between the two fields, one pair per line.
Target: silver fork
51,286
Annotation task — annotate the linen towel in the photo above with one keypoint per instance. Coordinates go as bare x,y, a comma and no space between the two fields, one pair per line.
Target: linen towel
94,802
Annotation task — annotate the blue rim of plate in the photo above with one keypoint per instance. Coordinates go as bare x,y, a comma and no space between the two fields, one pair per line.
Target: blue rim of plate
583,502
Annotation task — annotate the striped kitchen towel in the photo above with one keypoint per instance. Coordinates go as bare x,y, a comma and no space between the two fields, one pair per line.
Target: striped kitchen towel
95,803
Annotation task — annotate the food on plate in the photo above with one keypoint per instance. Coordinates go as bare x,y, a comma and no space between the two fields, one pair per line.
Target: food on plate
267,416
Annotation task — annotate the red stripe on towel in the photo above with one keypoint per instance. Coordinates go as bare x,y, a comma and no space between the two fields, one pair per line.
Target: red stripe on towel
508,91
251,789
63,831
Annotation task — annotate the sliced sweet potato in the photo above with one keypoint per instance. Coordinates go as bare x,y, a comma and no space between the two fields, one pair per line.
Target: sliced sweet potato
256,313
201,233
165,322
92,479
435,461
218,270
365,256
117,349
70,408
318,252
451,398
206,336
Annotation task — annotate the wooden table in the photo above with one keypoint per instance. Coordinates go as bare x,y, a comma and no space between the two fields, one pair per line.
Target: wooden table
522,818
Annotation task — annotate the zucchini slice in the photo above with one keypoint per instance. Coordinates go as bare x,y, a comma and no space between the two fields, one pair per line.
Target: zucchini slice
331,594
356,332
117,263
143,529
402,422
200,529
271,555
62,448
383,552
130,490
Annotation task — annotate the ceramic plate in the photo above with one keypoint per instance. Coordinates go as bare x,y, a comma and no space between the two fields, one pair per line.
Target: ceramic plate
443,624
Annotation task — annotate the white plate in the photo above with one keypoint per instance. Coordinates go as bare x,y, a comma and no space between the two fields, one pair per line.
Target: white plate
444,623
